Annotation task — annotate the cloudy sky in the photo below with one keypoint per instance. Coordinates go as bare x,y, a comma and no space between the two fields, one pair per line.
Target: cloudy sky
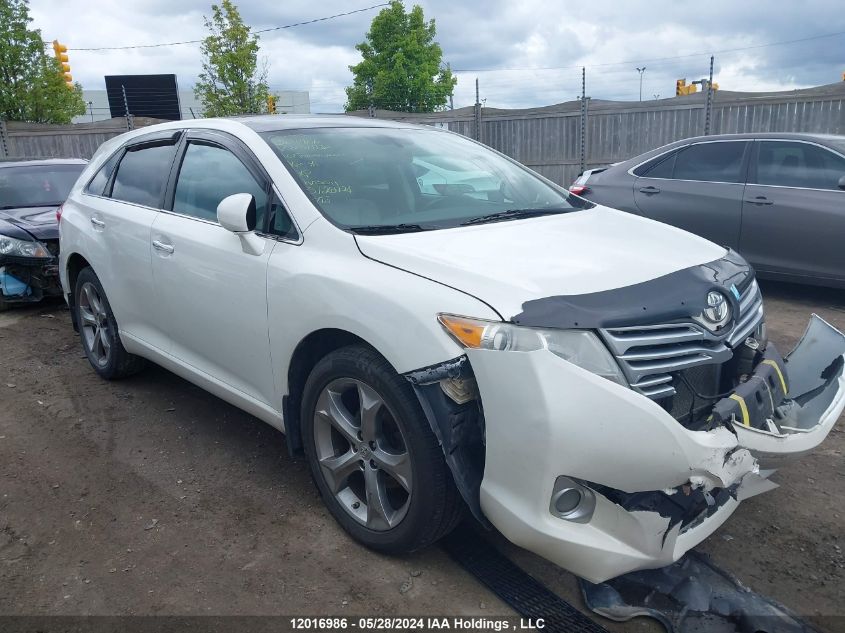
525,52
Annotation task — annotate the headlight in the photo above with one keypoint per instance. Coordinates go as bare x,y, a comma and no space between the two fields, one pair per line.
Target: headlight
22,248
580,347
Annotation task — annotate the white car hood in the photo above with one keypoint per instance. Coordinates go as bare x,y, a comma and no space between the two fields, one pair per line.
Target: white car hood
508,263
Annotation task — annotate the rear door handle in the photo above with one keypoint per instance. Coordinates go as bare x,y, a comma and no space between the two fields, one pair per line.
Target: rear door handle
164,248
98,223
759,200
649,190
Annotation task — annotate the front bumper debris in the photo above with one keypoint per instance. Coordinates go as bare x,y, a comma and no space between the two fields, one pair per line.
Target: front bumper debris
28,280
547,419
816,396
690,596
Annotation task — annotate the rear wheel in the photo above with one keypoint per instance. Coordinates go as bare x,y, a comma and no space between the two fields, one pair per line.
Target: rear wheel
373,456
99,332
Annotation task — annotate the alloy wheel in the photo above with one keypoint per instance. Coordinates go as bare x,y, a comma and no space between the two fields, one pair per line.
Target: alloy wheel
362,453
94,323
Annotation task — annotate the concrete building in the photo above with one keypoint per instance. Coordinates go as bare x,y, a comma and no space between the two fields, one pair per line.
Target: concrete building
287,102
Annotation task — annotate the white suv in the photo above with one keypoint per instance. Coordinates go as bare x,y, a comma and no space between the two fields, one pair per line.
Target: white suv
597,386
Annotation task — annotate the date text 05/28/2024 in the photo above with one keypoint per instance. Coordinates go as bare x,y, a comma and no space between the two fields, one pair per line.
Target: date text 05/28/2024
417,624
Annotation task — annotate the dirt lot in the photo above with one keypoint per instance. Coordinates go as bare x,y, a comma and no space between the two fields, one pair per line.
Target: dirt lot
150,497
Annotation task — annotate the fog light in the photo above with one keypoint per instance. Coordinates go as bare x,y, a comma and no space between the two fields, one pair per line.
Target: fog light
567,500
572,501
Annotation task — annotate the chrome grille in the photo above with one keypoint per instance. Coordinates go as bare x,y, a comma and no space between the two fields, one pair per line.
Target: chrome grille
650,354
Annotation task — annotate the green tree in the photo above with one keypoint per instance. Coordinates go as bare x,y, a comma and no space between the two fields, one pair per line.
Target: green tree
230,81
32,87
402,66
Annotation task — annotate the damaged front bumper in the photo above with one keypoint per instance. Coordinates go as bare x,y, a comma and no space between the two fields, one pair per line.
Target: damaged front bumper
29,279
601,480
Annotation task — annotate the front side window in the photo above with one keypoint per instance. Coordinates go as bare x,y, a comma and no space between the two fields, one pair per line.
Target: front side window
142,174
410,178
37,185
210,173
711,162
790,164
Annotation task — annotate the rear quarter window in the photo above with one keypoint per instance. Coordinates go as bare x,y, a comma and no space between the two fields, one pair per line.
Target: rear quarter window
98,183
660,167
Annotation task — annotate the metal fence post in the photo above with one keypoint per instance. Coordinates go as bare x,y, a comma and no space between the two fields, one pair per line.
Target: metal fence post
583,130
4,140
126,109
477,113
708,103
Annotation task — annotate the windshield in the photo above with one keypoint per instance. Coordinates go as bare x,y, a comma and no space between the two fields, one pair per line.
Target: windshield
366,179
36,185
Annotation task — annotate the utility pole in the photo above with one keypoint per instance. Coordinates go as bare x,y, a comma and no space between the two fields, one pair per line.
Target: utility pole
126,109
583,133
641,71
451,95
708,106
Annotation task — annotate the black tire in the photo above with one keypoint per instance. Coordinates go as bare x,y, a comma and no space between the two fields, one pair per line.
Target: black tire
118,362
434,506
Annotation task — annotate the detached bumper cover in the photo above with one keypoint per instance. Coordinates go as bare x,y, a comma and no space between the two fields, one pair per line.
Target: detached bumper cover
546,418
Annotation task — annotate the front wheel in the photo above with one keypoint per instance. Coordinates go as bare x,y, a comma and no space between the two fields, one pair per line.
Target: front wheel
98,330
373,455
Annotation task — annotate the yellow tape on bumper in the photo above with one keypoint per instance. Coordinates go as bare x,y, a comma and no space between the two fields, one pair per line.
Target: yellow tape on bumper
746,420
769,361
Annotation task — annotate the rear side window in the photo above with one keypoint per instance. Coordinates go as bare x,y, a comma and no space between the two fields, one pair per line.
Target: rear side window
98,183
711,162
210,173
142,174
789,164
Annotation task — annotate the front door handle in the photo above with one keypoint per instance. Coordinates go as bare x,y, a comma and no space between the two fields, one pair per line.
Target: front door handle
98,223
164,248
759,200
649,190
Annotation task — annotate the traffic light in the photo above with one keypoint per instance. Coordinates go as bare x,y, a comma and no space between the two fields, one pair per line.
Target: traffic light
681,88
714,86
60,51
271,104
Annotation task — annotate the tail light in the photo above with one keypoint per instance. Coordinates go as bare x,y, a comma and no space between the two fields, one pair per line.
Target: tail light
59,214
579,190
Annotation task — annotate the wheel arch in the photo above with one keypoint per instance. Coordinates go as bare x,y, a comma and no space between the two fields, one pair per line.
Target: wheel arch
307,353
75,264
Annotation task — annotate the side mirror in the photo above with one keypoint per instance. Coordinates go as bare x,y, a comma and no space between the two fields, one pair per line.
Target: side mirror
236,213
842,182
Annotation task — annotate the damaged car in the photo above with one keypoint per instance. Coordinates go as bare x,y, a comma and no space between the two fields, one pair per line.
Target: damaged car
30,193
598,387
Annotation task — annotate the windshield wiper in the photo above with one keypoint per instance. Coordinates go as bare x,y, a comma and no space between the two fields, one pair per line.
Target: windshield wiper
512,214
386,229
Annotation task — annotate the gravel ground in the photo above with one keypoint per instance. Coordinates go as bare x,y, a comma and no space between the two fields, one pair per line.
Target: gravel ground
151,497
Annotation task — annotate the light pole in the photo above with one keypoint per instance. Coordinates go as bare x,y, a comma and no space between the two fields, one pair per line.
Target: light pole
641,71
91,110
